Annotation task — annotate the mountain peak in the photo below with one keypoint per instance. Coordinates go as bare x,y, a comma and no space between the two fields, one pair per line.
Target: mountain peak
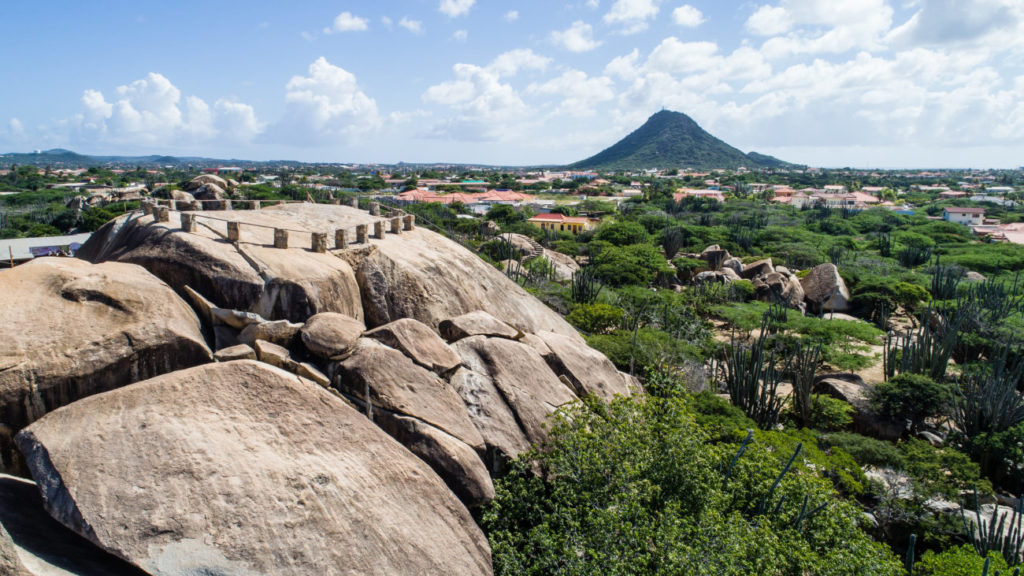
672,139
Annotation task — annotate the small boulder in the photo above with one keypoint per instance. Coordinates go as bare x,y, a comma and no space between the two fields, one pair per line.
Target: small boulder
235,318
278,356
852,389
734,264
715,256
310,372
280,332
759,268
239,352
418,342
331,334
209,192
825,290
477,323
973,276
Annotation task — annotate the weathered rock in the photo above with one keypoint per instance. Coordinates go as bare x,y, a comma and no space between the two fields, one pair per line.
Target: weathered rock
728,275
72,329
419,343
330,334
491,415
477,323
723,276
734,264
930,437
520,374
454,461
204,179
275,355
759,268
235,318
535,342
589,371
34,544
396,384
209,192
715,256
291,284
280,332
825,290
291,480
182,196
310,372
564,265
224,337
853,390
973,276
775,286
238,352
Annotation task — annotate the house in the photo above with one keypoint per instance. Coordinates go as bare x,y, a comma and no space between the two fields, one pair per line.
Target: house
968,216
563,223
998,190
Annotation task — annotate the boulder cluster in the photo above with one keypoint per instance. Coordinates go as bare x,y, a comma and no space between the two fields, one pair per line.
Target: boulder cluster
189,405
821,289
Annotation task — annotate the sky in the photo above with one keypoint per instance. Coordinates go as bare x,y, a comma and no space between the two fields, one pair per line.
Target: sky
835,83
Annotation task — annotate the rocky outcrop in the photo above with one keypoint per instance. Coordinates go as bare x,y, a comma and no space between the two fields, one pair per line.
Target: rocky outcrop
776,286
330,334
852,389
204,179
239,468
825,290
522,377
715,256
477,323
759,268
417,341
34,544
251,276
589,371
72,329
492,416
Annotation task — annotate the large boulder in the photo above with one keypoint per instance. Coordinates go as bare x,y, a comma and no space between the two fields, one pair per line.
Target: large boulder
209,192
251,275
419,343
330,334
715,256
852,389
34,544
776,286
825,290
396,384
240,468
589,371
564,266
522,377
477,323
204,179
72,329
759,268
492,416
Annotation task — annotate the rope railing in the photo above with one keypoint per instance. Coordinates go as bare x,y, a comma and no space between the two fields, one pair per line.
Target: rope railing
398,220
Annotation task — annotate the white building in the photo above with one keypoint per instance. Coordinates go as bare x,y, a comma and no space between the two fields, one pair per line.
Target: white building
968,216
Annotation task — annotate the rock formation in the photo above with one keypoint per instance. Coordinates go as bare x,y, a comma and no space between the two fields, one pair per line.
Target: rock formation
72,329
240,468
825,289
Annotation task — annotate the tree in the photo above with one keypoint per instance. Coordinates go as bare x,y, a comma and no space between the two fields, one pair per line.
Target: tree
912,397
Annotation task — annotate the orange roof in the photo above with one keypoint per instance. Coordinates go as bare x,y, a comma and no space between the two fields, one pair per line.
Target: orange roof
561,218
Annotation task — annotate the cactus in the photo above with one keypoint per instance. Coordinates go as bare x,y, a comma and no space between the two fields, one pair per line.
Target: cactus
996,534
986,399
913,256
744,238
751,377
884,243
836,254
585,287
926,351
801,368
945,280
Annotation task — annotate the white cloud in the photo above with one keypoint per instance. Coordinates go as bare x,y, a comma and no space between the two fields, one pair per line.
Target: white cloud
512,15
236,121
455,8
631,15
821,26
387,22
688,16
769,21
414,26
593,3
511,62
577,38
15,127
946,22
326,106
460,35
346,22
579,93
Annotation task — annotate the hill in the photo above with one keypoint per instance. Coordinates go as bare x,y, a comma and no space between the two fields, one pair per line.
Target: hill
673,140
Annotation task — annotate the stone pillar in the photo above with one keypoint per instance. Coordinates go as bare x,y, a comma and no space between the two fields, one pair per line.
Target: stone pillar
234,231
147,208
340,239
188,222
280,238
319,242
410,221
374,209
378,229
227,204
172,205
361,231
161,214
335,201
355,202
396,225
255,204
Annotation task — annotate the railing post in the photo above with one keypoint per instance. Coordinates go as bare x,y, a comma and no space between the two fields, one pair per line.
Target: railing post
410,221
340,239
187,222
161,214
355,202
147,208
280,238
396,225
374,209
172,205
234,232
318,241
361,231
255,204
227,204
378,229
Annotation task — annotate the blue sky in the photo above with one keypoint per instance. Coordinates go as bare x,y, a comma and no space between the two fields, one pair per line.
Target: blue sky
862,83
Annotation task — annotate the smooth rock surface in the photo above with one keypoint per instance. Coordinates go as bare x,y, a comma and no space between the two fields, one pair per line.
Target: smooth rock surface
240,468
330,334
590,372
477,323
72,329
419,343
759,268
825,290
238,352
492,416
38,545
397,384
280,332
529,387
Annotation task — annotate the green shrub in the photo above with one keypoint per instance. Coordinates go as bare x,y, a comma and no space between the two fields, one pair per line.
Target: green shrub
911,397
637,264
595,318
621,233
865,450
828,413
960,561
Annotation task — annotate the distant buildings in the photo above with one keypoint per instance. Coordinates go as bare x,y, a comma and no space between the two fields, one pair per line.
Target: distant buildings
563,223
968,216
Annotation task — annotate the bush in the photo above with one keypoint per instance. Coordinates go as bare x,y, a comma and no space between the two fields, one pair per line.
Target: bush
622,233
961,561
865,450
637,264
911,397
595,318
828,413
